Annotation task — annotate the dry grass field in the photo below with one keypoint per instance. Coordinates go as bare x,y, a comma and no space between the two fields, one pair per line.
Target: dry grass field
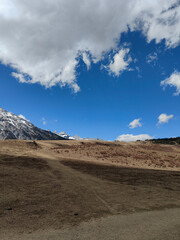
55,185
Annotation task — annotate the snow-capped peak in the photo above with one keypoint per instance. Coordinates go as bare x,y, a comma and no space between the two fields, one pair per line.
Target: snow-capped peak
17,127
65,135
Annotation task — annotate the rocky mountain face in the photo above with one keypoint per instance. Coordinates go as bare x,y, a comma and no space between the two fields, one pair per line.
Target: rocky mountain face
66,136
15,127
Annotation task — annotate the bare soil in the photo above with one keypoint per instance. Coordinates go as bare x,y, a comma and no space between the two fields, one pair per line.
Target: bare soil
54,184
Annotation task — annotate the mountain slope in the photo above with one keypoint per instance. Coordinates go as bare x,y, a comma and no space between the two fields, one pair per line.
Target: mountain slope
66,136
15,127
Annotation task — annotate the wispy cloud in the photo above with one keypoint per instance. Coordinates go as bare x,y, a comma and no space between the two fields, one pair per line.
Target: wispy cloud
152,58
86,60
44,122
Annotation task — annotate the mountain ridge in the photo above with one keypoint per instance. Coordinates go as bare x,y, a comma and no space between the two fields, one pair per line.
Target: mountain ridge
16,127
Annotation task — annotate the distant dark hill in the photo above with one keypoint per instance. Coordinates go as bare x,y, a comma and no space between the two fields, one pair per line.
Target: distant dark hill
15,127
171,141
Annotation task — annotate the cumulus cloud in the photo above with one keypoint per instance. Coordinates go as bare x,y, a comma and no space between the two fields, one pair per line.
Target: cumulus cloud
173,81
120,62
132,138
135,123
164,118
164,23
43,40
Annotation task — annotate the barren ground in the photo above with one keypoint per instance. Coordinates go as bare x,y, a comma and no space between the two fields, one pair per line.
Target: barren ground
51,186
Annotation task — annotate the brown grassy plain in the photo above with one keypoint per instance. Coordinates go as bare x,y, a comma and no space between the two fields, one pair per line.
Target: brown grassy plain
54,184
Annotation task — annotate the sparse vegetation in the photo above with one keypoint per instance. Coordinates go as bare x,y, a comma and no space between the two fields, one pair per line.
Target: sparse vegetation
54,183
170,141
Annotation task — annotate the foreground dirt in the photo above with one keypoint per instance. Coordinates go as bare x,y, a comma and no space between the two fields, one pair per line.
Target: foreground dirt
49,185
138,226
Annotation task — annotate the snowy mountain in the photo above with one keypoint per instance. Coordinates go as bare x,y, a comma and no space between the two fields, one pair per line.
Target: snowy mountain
17,127
65,135
76,137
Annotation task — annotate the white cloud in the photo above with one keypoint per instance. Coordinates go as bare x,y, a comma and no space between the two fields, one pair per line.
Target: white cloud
173,81
23,117
164,23
135,123
86,60
164,118
43,40
132,138
44,122
120,62
152,57
8,8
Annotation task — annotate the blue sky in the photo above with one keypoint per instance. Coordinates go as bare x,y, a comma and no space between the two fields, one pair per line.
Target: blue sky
133,79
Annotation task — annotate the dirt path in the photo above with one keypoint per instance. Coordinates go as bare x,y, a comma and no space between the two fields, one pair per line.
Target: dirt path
42,193
154,225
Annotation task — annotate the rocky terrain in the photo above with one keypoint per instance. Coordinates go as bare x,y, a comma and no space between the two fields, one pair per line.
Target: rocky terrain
15,127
